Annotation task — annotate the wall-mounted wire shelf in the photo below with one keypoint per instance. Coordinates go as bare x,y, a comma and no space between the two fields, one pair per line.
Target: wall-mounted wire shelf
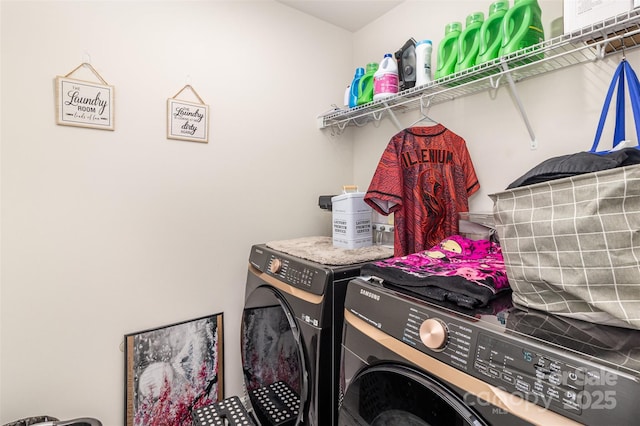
587,44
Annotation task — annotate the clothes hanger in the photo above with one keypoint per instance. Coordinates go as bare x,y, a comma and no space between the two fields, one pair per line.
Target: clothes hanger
423,115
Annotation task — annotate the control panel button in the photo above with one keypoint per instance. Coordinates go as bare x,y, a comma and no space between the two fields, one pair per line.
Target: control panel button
433,334
276,266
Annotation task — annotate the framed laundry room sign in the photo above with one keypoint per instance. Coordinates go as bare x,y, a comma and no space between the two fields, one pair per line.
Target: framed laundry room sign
83,103
172,370
187,121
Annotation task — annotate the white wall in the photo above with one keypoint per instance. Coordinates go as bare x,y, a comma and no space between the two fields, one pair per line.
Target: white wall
107,233
563,106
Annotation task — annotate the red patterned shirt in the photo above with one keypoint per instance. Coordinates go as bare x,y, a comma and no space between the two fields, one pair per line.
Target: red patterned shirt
425,177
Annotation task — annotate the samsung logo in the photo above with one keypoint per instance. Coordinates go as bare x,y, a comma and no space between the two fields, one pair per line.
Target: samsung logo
370,294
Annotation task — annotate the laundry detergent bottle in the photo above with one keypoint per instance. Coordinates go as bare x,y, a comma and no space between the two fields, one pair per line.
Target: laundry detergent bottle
491,32
355,86
385,79
469,42
365,91
423,62
521,27
447,54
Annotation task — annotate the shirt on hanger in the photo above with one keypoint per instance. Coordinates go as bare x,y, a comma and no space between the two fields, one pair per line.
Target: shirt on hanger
425,178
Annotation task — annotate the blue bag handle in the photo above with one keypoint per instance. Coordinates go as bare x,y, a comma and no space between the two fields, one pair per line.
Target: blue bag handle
634,94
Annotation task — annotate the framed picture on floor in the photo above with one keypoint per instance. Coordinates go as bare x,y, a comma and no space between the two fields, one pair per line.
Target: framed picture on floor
173,370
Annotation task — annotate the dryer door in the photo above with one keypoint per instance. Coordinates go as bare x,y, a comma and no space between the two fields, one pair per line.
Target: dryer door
273,358
391,395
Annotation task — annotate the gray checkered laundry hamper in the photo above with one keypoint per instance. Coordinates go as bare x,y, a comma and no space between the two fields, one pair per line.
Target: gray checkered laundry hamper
571,246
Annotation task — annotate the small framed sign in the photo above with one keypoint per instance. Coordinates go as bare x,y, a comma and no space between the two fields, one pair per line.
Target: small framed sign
84,104
187,121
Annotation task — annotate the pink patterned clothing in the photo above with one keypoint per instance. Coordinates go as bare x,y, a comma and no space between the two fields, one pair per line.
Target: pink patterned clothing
467,272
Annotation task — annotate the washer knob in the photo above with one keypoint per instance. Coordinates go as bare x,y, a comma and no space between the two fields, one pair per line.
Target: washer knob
433,334
276,266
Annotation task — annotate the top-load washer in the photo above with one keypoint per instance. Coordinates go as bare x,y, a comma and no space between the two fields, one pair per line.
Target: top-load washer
414,362
292,327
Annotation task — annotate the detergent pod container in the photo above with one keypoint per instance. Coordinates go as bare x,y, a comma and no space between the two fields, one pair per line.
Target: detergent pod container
491,32
365,91
447,55
469,42
406,59
522,27
355,86
385,80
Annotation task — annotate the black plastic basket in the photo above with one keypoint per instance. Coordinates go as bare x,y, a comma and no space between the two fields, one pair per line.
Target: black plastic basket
228,412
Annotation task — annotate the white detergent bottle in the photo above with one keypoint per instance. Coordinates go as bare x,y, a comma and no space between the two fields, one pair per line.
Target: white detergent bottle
385,80
423,62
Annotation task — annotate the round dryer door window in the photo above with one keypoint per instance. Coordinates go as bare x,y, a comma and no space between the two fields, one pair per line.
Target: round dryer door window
272,359
392,395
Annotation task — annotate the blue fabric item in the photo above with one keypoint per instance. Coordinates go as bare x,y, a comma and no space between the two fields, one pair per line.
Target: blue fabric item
634,95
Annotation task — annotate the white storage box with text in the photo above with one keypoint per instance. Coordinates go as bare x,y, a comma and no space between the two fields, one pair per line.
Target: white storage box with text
351,221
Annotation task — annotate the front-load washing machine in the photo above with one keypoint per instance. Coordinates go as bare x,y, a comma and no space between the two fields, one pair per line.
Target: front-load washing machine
408,361
291,334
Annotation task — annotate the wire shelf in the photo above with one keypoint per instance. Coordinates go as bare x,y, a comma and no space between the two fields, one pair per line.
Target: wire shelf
618,33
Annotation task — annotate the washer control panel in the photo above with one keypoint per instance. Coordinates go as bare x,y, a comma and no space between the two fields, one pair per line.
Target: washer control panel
292,272
528,371
570,383
450,339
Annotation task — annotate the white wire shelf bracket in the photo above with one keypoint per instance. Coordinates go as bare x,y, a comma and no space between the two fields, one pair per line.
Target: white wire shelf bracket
618,33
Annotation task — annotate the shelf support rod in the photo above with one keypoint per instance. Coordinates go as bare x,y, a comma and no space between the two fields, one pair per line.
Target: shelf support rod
523,113
393,117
